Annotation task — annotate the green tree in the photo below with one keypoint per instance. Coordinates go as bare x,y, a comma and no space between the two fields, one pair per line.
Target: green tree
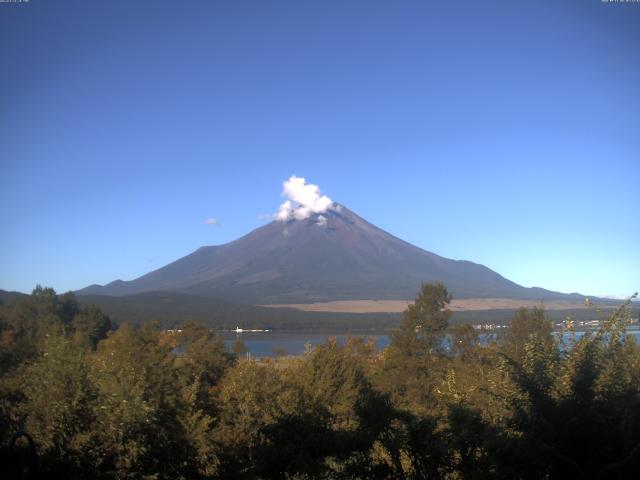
90,325
414,365
257,401
525,325
59,403
334,378
201,366
464,341
137,432
424,322
575,415
28,323
205,356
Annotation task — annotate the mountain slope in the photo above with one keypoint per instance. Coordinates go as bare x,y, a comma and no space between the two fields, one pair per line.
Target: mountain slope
334,256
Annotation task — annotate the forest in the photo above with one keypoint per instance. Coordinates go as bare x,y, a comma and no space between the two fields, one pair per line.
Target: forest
80,398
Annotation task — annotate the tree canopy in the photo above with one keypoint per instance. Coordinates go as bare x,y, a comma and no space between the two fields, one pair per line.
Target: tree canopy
81,399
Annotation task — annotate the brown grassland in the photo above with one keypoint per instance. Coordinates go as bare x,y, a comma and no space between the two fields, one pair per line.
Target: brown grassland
457,305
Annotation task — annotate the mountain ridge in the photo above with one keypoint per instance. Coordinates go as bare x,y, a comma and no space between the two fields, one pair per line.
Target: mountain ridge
336,255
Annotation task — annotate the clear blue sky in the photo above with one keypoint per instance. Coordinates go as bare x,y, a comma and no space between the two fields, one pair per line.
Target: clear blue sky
502,132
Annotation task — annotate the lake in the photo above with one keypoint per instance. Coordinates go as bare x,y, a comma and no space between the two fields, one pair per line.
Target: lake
264,344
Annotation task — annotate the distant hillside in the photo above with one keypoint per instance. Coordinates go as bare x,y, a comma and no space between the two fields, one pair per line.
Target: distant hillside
9,298
333,256
171,308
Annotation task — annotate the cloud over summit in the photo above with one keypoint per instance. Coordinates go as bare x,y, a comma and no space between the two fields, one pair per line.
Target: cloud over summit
303,200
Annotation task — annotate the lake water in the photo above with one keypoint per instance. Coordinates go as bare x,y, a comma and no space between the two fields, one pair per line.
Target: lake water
265,344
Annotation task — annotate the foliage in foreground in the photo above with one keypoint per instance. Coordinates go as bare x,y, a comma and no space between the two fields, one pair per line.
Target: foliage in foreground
80,400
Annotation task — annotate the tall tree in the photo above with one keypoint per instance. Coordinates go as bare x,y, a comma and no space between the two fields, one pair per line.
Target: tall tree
424,322
59,404
90,325
138,398
526,325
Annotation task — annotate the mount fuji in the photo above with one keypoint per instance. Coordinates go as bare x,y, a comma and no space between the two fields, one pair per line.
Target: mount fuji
336,255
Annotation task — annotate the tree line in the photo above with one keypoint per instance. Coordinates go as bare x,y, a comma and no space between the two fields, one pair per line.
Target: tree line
82,399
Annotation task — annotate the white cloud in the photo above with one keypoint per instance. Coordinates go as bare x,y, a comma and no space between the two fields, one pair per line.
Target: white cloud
303,200
212,221
284,212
